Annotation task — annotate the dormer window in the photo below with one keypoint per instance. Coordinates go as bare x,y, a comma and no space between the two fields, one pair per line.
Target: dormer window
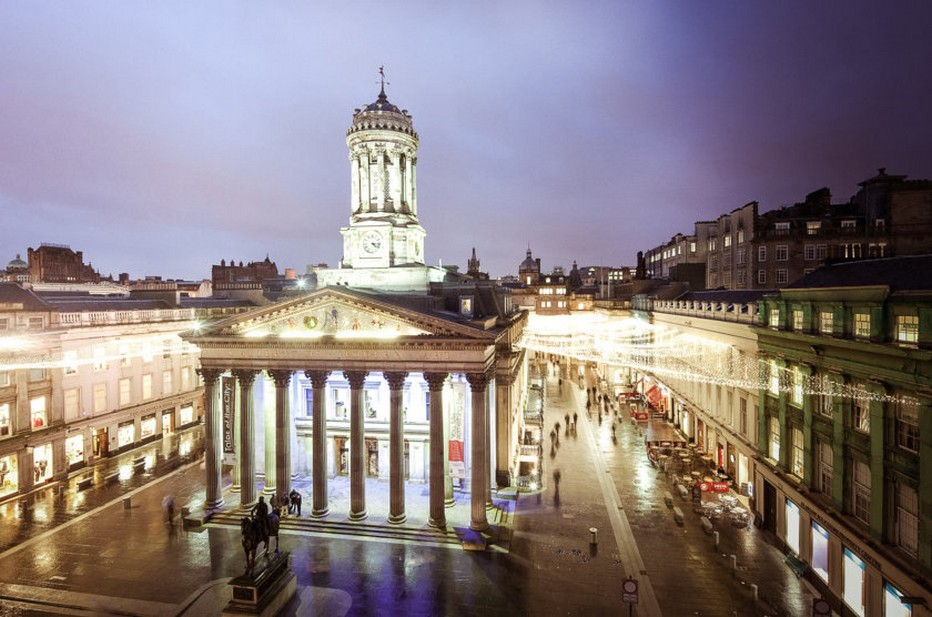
813,227
782,228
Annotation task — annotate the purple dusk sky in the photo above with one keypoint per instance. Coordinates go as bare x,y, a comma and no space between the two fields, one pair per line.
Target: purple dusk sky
160,137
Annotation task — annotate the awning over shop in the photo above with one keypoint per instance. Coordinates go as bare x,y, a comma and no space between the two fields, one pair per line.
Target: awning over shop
655,397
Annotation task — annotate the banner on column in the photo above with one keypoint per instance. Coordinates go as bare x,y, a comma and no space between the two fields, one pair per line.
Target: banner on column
457,461
227,401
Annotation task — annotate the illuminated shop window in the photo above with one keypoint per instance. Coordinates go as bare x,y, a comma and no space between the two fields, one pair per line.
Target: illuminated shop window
9,475
147,426
819,561
853,582
74,449
792,526
126,434
893,606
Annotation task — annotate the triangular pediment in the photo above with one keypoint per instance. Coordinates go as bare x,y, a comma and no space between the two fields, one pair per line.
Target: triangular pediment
342,314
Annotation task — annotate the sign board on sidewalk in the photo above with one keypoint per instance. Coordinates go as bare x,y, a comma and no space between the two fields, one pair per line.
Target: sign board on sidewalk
457,458
629,589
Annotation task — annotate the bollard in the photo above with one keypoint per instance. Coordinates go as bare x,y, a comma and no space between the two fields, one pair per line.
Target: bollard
127,503
593,535
734,562
754,590
715,537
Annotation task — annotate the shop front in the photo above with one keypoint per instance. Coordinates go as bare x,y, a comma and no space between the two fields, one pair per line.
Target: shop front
186,416
101,442
126,435
74,452
9,478
42,463
168,422
147,428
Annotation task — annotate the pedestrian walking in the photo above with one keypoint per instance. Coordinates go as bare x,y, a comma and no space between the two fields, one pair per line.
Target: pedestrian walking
168,503
295,502
574,418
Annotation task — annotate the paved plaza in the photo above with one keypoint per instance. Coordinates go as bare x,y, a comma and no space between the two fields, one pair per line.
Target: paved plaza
74,552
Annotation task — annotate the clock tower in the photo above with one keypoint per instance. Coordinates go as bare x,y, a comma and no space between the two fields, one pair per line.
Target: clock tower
383,229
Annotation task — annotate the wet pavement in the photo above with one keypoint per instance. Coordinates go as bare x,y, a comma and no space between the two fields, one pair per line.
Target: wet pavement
84,553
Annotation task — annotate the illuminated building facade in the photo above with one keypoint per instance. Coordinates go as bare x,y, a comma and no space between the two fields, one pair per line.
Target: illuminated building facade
389,369
844,429
85,378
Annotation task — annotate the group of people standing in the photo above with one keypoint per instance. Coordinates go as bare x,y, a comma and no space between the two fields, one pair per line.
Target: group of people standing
286,504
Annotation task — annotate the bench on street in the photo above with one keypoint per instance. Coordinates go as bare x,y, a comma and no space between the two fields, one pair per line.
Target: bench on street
113,476
797,565
85,482
682,490
706,525
668,499
678,516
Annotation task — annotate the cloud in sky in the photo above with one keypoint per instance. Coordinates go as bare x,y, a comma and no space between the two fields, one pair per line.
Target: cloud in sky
162,137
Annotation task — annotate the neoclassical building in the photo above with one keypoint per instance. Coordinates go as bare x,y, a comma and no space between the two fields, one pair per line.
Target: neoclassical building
388,369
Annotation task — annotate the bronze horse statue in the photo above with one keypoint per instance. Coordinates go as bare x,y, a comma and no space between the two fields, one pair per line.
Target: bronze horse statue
256,533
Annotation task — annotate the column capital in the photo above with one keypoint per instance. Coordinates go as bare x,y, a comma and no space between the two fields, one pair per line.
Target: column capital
209,375
478,381
435,381
281,377
356,379
318,377
396,380
245,376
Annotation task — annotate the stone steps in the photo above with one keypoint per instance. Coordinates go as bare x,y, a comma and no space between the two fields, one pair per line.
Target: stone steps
425,534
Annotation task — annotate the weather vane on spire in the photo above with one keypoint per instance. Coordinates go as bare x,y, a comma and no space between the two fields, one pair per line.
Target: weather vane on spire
382,78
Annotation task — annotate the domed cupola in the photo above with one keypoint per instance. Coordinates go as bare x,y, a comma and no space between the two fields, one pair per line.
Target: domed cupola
384,229
17,264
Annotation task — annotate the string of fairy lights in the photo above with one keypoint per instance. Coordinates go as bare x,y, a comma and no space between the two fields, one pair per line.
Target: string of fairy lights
676,355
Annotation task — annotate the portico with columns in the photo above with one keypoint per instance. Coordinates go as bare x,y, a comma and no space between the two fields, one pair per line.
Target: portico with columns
352,370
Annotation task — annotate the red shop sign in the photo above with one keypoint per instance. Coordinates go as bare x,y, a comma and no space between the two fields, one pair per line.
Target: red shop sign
715,487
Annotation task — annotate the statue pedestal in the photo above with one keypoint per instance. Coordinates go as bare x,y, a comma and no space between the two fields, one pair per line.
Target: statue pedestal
265,591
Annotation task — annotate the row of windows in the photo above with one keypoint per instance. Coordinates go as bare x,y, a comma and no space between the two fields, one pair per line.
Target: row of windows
101,359
905,327
905,528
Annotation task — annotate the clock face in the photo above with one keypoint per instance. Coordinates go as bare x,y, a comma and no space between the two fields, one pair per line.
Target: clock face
372,242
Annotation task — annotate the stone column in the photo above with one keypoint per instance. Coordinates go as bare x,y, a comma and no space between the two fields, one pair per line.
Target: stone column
319,442
212,439
247,428
282,431
396,511
478,453
354,183
356,380
382,185
413,197
438,455
507,447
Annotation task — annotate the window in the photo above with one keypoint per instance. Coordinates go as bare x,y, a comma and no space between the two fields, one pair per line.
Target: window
827,405
907,425
743,416
796,393
851,251
798,320
861,414
781,229
809,252
862,325
775,439
782,276
124,355
166,349
36,323
826,322
726,241
773,318
740,278
713,244
813,228
147,386
37,413
825,479
5,379
853,582
70,360
72,403
4,324
740,257
907,329
821,252
185,378
146,351
692,246
166,383
740,236
36,374
820,551
761,277
797,467
792,526
861,492
762,253
782,252
125,392
849,225
906,523
4,421
774,378
100,398
100,359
